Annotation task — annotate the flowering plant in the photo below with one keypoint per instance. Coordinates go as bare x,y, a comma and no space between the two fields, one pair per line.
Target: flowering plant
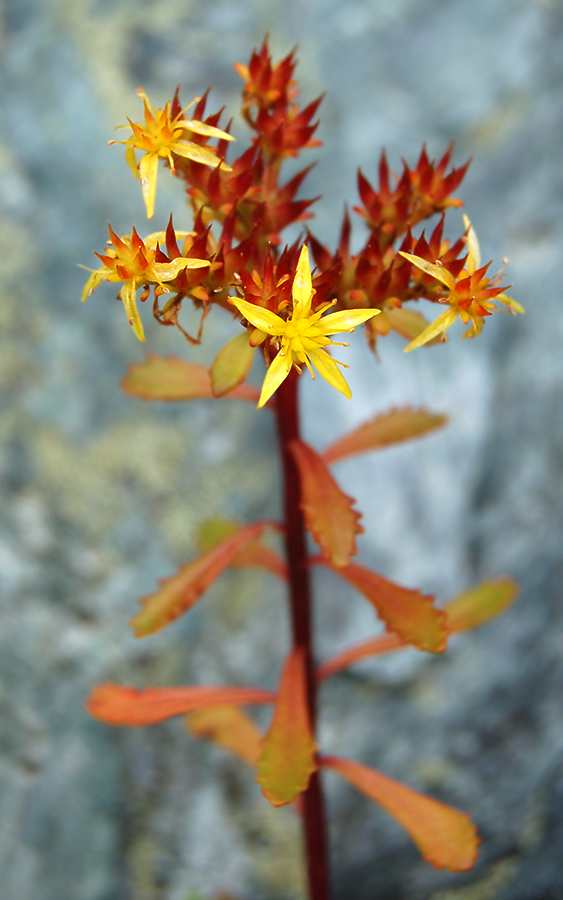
233,257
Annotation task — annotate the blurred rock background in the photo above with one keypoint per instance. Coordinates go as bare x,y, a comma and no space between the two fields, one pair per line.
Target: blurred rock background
102,495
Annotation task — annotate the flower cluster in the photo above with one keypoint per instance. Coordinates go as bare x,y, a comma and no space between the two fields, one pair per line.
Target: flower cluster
241,208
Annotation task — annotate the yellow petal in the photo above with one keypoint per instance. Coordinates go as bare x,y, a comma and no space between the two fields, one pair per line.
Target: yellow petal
346,320
513,305
159,237
438,272
276,374
201,128
261,318
94,281
197,153
168,271
302,286
130,159
443,321
148,169
473,249
127,294
328,369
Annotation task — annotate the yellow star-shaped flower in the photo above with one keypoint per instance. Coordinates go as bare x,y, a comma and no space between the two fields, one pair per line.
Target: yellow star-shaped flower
302,339
161,137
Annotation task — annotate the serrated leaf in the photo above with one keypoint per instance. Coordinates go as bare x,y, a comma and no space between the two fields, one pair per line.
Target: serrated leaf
388,428
231,365
287,760
468,610
180,592
173,379
117,704
409,324
230,727
446,837
408,613
474,607
329,513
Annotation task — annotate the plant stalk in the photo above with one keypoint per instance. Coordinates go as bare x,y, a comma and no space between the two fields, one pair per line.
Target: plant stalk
287,415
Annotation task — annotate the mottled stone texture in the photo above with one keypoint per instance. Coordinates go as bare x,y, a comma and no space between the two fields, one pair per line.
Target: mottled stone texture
101,495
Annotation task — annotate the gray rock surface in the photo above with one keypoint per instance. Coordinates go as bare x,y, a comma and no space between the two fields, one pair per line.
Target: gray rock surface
101,495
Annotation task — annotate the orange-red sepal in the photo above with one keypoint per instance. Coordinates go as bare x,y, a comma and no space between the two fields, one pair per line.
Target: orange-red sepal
288,753
117,704
410,614
446,837
180,592
329,512
171,378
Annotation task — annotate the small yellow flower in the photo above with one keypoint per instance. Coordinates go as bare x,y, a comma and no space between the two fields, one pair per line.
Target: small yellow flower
132,260
301,339
469,296
160,137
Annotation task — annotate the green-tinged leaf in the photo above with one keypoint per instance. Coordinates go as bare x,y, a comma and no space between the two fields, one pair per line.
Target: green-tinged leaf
446,837
410,614
474,607
231,365
117,704
180,592
387,428
287,760
255,554
230,727
409,324
329,512
173,379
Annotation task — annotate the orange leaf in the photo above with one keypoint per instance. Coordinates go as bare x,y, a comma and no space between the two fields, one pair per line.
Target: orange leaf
231,365
120,705
382,643
408,613
446,837
329,512
288,751
259,554
468,610
388,428
409,324
230,727
477,605
173,378
180,592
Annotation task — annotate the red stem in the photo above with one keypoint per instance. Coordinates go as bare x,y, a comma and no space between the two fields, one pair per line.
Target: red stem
287,414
